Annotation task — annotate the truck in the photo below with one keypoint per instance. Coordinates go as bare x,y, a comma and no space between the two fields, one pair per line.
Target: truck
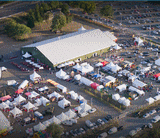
112,130
155,119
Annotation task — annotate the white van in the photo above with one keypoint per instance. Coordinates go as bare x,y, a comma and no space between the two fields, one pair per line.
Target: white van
155,119
103,135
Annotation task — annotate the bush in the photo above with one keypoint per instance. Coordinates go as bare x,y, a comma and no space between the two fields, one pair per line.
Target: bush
37,14
88,6
69,18
54,5
45,6
65,9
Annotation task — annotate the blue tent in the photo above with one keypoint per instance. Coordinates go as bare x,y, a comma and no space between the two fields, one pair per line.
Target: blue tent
97,76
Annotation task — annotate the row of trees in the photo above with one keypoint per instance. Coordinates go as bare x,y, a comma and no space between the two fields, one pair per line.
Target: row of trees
40,12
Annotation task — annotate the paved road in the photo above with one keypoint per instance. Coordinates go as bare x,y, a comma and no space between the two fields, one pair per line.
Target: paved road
16,8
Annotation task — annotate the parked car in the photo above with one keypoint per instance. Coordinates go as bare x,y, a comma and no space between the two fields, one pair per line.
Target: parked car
152,112
112,130
108,117
73,133
89,124
67,123
95,125
103,135
104,120
150,125
155,119
132,133
38,115
146,115
85,128
82,130
144,126
138,129
120,128
101,121
92,110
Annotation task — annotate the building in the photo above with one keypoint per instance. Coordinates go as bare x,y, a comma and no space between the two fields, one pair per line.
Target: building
75,46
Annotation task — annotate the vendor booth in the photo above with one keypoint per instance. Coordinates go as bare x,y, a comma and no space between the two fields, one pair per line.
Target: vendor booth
23,84
62,117
61,88
16,112
64,103
121,88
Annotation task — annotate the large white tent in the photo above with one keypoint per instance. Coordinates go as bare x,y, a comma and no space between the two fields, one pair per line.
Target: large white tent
35,76
86,81
23,84
39,127
140,92
157,62
63,103
99,64
54,120
116,68
100,87
44,100
115,97
138,84
71,114
74,95
62,117
126,102
150,100
121,87
29,106
62,88
85,107
60,74
16,112
33,94
121,100
77,66
157,97
77,77
4,123
46,123
26,55
80,98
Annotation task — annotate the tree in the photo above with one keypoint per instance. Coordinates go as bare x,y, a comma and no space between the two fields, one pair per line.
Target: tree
37,14
54,130
58,22
30,21
54,4
69,18
74,4
41,10
107,10
88,6
45,7
65,9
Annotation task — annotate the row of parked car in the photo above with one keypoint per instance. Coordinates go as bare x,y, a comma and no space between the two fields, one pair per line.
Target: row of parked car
91,125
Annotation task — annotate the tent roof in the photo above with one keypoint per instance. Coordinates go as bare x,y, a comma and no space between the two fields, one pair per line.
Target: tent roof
19,91
39,127
70,113
19,99
16,111
156,75
62,117
26,55
117,47
84,42
4,123
109,34
99,64
23,84
3,105
28,106
5,98
85,107
81,29
54,120
34,75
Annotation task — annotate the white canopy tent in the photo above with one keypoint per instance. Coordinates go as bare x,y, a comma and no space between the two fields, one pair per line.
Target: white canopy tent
39,127
85,107
132,78
26,55
116,68
3,105
38,101
77,66
60,74
140,92
126,102
139,41
29,106
81,29
66,77
115,97
46,123
11,82
74,95
54,120
100,87
86,81
19,99
62,88
33,94
121,87
78,108
63,103
121,100
138,84
77,77
23,84
4,123
62,117
157,97
44,100
35,76
3,68
70,114
7,102
15,112
99,64
43,88
150,100
157,62
80,98
117,47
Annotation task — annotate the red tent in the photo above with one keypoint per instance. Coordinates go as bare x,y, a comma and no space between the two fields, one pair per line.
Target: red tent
104,63
94,85
19,91
5,98
156,75
27,93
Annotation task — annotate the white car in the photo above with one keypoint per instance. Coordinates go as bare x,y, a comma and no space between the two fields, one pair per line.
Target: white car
146,115
155,32
101,121
155,49
103,135
143,62
152,112
92,110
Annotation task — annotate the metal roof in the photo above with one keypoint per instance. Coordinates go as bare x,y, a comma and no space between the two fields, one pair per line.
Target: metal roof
73,45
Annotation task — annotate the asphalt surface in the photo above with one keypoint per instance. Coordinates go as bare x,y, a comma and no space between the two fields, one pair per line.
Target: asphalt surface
16,8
